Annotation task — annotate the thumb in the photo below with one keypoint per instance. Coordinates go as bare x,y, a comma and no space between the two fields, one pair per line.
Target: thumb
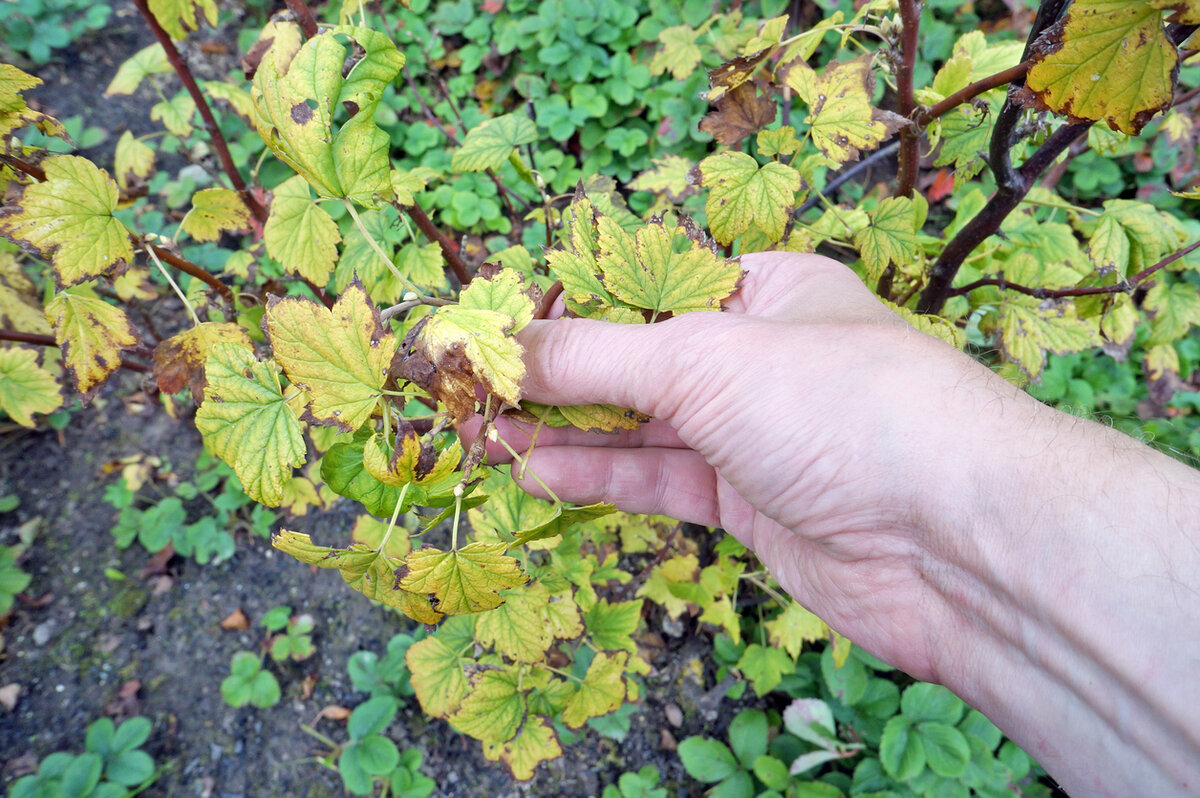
581,361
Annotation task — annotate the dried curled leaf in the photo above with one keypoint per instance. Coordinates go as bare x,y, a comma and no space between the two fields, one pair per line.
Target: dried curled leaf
740,113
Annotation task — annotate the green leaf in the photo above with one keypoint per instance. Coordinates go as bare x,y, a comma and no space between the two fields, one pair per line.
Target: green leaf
246,421
843,122
563,519
611,626
25,387
771,772
69,219
900,750
300,234
931,702
707,760
946,749
344,471
645,271
489,145
465,580
811,720
92,334
424,265
765,667
175,114
371,717
1110,60
748,736
437,676
339,357
214,211
178,17
742,194
891,237
148,61
492,709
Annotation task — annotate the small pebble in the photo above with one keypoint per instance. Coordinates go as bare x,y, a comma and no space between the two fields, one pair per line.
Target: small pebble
674,715
42,633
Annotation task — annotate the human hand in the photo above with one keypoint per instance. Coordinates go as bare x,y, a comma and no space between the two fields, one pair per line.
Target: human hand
809,421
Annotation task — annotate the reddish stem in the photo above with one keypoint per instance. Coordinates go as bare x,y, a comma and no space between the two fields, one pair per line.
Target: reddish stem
210,122
452,258
972,91
187,267
48,340
910,134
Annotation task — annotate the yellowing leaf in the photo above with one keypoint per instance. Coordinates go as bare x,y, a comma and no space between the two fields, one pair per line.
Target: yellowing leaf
534,744
645,271
891,237
668,176
134,283
373,533
295,96
601,692
679,54
237,97
178,17
464,345
424,265
1161,360
92,334
69,218
493,708
339,357
437,676
14,111
504,291
676,570
1028,331
742,194
301,234
794,627
843,121
517,628
936,326
562,519
148,61
407,183
132,161
611,626
411,463
175,114
179,360
602,418
489,145
466,580
215,210
25,387
1111,61
1109,246
299,494
344,471
19,308
577,267
781,141
245,421
363,568
1176,309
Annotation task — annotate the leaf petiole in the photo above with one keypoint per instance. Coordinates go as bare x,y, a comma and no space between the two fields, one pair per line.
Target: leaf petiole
154,257
495,436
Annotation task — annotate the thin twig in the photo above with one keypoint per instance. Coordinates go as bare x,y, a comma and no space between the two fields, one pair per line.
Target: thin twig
48,340
304,16
409,304
187,267
968,93
1127,286
210,123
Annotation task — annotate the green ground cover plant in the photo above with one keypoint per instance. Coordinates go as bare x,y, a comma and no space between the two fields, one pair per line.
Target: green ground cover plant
111,766
384,196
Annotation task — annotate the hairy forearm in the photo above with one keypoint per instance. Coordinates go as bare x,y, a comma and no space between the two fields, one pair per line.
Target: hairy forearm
1074,573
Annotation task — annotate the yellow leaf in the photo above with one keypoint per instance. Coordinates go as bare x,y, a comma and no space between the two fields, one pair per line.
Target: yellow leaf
891,237
601,692
372,533
668,176
25,387
179,360
437,676
742,194
676,570
151,60
245,421
178,17
493,708
534,744
214,211
92,334
365,569
463,581
237,97
299,493
602,418
794,627
502,290
1110,60
518,628
1028,330
1176,310
1161,360
339,357
175,114
300,234
14,112
936,326
843,122
646,271
19,308
410,463
679,54
69,218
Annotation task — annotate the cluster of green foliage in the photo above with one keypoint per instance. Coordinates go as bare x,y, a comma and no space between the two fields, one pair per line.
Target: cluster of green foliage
113,765
427,180
36,28
289,638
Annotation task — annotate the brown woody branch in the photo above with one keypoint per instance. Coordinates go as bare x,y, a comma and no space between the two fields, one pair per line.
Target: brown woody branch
187,267
210,123
968,93
1127,286
48,340
451,254
304,16
910,135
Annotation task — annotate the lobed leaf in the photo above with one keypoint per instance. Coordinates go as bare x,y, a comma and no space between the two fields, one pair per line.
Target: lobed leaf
437,676
215,211
493,708
843,122
25,387
300,234
535,743
490,144
178,17
465,580
92,334
602,690
743,195
179,361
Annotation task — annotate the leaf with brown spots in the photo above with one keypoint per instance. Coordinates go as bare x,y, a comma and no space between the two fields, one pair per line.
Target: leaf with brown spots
179,360
92,334
740,113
